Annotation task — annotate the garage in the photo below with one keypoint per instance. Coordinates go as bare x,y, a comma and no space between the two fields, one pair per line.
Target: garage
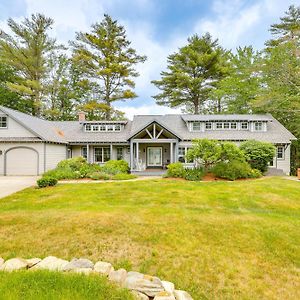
21,161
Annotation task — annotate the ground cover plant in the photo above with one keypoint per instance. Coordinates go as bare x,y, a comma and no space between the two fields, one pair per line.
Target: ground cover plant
217,240
25,285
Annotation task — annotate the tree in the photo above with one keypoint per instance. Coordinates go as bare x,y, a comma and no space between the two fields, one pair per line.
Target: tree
106,59
236,92
192,73
26,52
258,154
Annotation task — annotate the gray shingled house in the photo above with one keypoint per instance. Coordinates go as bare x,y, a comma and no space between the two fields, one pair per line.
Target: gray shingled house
31,146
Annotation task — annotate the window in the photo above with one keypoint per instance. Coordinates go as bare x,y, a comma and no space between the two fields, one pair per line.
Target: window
196,126
280,152
208,125
219,125
244,125
119,153
233,125
110,127
84,152
95,127
117,127
258,126
181,154
226,125
88,127
101,154
102,127
3,122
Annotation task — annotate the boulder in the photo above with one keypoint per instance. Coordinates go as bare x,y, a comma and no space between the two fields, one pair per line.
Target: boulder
139,296
14,264
79,263
32,262
164,296
145,284
182,295
168,286
1,261
103,267
51,263
86,271
118,276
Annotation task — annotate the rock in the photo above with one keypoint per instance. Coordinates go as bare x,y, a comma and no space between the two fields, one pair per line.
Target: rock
168,286
78,263
164,296
32,262
118,276
145,284
51,263
139,296
103,267
182,295
14,264
1,261
86,271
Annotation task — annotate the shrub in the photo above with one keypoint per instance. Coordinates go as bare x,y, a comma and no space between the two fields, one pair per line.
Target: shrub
194,174
87,169
63,173
46,181
99,176
122,176
255,173
176,170
72,163
258,154
114,167
232,170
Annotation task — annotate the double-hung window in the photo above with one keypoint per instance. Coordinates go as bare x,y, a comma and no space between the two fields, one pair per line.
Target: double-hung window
119,153
258,126
181,154
101,154
244,125
196,126
84,152
280,152
3,122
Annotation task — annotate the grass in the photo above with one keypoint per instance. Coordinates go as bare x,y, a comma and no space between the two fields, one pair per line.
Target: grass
217,240
27,285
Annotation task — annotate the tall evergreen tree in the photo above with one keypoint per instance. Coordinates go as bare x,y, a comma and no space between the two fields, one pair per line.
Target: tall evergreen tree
192,73
26,51
106,58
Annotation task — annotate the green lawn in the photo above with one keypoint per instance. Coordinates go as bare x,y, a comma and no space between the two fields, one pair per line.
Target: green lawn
217,240
26,285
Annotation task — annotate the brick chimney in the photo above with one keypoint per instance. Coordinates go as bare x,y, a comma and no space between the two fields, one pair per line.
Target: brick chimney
81,116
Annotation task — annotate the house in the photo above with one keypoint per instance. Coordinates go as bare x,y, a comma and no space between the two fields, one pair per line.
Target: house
31,146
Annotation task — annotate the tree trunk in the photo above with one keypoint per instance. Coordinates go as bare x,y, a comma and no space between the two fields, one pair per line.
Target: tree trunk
196,107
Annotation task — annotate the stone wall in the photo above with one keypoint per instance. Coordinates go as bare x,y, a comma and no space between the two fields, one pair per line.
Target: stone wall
144,287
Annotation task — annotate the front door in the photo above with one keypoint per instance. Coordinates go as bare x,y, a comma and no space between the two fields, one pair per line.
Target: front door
154,156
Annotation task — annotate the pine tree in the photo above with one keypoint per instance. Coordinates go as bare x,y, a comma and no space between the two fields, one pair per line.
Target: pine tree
192,73
106,58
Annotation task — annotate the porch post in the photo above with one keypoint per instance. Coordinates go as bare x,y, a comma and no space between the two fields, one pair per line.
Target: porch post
176,152
111,151
131,155
88,153
171,152
137,153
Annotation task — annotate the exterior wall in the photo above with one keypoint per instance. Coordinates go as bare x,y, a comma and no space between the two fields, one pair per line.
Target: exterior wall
54,154
284,164
14,129
39,147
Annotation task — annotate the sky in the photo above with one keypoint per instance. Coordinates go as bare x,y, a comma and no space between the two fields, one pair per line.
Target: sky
156,29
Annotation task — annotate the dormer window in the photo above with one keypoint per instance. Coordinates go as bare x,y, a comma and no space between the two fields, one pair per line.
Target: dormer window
233,125
258,126
98,127
117,127
3,122
226,125
219,125
196,126
102,128
244,125
110,127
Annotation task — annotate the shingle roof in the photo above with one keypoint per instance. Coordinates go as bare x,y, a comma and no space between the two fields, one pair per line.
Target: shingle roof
72,131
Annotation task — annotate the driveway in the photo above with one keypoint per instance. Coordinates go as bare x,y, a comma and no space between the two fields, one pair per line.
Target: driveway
12,184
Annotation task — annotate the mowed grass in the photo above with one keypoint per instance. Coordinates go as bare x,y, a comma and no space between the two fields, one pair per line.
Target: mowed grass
26,285
217,240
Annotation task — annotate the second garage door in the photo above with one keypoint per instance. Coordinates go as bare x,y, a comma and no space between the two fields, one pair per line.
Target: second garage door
21,161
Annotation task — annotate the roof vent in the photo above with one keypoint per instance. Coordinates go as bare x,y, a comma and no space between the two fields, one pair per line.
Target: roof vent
81,116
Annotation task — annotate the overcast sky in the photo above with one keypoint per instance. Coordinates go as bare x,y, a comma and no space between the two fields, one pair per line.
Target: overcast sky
157,28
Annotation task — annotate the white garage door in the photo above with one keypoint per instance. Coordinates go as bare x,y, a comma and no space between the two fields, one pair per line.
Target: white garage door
21,161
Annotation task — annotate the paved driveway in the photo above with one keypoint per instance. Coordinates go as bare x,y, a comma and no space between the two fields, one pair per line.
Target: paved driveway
12,184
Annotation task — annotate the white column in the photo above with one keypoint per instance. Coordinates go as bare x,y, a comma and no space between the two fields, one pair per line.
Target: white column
88,153
131,155
137,153
111,151
171,152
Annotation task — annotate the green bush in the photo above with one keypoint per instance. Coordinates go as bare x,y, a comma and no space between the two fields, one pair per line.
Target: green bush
194,174
72,163
232,170
87,169
46,181
99,176
63,173
114,167
255,173
122,176
258,154
176,170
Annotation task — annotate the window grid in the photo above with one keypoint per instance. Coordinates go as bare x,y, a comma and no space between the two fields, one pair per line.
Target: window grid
119,153
280,152
258,126
84,152
3,122
244,125
103,127
196,126
208,125
101,154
